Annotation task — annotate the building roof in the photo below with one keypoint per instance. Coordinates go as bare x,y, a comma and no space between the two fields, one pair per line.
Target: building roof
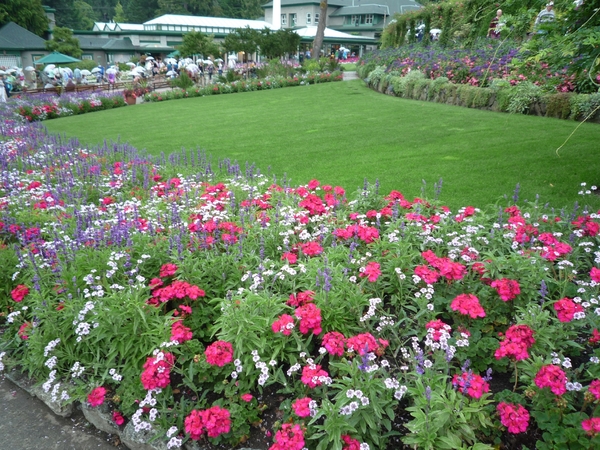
361,9
95,43
310,32
215,22
308,2
112,26
15,37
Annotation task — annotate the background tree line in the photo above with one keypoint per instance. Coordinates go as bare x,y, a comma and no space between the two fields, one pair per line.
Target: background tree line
81,15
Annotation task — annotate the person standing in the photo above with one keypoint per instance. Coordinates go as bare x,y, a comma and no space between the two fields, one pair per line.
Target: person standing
495,26
2,90
546,15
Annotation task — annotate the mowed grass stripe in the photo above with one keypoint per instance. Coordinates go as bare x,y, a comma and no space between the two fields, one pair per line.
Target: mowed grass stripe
342,133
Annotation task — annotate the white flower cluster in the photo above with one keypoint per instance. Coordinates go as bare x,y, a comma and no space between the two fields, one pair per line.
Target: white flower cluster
51,346
11,317
115,376
262,366
238,368
136,419
1,363
293,369
585,191
373,302
353,406
77,370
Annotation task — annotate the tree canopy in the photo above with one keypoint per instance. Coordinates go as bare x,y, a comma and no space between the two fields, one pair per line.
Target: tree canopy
198,43
27,13
63,41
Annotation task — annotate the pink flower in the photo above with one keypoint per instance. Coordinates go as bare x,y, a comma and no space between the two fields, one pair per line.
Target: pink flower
429,276
468,304
19,293
291,258
371,271
167,270
301,407
310,318
219,353
362,343
301,298
157,371
180,333
96,397
289,437
118,418
595,274
566,309
311,248
437,326
514,417
591,426
350,443
314,376
284,325
215,421
552,377
518,340
594,389
246,397
471,384
507,289
334,343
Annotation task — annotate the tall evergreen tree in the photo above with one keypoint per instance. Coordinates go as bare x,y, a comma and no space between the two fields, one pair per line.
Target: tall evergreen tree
140,11
63,41
27,13
119,16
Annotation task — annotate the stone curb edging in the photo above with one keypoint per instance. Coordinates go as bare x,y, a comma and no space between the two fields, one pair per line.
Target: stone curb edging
100,417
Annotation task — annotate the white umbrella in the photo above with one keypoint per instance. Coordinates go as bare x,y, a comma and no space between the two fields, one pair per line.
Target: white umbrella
171,72
85,72
11,71
96,70
149,58
192,68
138,69
29,69
2,72
111,70
171,61
130,64
208,61
219,60
435,31
49,67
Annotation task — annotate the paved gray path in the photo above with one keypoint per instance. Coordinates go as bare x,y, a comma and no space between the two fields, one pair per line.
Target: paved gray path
26,423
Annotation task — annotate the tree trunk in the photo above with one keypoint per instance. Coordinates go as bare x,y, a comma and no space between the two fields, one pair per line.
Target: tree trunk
318,42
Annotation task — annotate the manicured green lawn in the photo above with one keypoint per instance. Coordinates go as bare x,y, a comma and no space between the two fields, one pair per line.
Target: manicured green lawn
342,133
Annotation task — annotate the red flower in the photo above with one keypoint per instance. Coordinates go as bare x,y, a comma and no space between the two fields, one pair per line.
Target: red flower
350,443
362,344
290,437
301,298
19,293
180,333
334,343
471,384
429,276
507,289
552,377
118,418
290,257
313,376
96,397
215,421
24,329
310,318
566,309
167,270
591,426
514,417
157,371
595,274
518,339
468,304
246,397
301,407
311,248
284,325
372,271
219,353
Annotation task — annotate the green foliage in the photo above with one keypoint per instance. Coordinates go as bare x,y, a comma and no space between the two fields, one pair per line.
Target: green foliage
63,41
522,96
198,43
27,13
119,16
242,40
275,44
183,81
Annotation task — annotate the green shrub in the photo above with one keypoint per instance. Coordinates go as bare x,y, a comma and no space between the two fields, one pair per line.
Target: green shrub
183,81
522,96
558,105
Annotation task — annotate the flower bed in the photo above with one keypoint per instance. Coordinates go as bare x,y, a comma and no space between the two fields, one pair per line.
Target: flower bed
217,306
477,66
47,106
244,86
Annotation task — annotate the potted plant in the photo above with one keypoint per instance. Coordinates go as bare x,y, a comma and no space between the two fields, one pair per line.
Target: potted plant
129,94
